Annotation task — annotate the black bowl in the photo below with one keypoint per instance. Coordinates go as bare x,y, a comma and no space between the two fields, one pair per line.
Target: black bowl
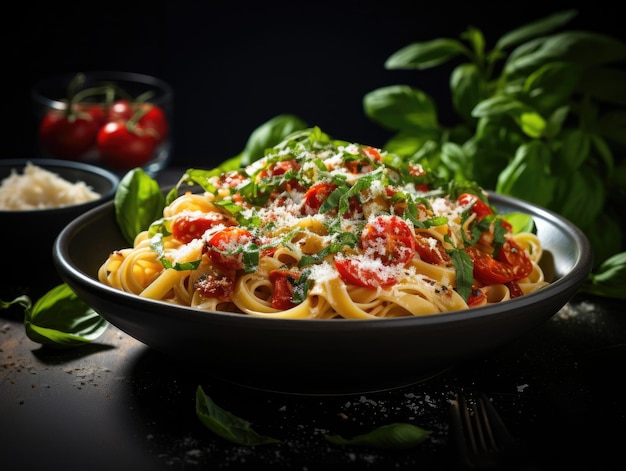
336,356
28,235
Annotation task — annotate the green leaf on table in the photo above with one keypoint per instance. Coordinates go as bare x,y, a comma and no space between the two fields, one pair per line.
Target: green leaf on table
609,279
61,319
227,425
396,436
23,301
138,201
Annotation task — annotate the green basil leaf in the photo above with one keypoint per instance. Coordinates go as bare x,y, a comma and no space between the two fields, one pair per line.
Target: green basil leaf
520,222
610,278
605,236
535,29
579,196
464,272
575,149
268,135
427,54
497,105
395,436
408,143
400,107
61,319
585,48
23,301
468,88
552,85
138,202
528,175
227,425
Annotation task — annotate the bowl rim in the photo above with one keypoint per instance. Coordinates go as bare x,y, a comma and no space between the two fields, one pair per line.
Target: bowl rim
581,267
107,175
165,89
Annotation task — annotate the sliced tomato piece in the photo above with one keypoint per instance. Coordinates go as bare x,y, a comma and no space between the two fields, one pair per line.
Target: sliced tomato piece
514,289
223,247
488,270
476,298
479,207
431,253
355,272
216,286
283,282
516,257
315,197
188,227
372,153
390,239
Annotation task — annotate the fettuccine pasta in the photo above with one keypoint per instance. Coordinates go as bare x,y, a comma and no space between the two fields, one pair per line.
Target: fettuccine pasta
322,229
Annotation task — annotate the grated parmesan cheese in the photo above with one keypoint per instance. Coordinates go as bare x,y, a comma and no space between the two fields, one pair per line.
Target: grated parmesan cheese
38,188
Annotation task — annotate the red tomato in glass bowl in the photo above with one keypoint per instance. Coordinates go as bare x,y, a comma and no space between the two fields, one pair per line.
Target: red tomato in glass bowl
154,118
67,136
125,146
96,111
121,110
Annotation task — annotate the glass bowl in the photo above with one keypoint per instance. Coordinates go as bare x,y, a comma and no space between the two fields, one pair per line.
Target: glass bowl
77,131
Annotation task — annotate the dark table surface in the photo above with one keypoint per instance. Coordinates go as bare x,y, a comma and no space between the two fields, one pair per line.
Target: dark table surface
117,404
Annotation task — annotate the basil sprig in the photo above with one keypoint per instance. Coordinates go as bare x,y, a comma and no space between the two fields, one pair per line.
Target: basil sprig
59,318
540,118
395,436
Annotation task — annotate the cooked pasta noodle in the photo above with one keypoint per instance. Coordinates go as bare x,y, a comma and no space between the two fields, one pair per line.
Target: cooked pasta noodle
322,229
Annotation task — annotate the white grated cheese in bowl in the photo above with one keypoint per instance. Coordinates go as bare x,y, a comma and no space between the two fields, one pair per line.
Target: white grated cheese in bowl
38,188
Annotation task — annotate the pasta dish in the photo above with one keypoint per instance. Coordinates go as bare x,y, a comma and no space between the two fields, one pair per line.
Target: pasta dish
319,229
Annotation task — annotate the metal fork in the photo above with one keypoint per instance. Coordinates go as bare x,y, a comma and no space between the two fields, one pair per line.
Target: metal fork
483,440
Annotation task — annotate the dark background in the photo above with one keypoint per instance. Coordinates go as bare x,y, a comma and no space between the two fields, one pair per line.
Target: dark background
234,65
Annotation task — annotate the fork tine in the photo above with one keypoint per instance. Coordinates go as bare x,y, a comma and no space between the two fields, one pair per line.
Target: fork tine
482,419
481,437
506,443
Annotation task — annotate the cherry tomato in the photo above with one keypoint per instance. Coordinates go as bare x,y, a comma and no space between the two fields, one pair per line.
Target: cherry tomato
96,111
125,147
476,298
511,264
390,239
514,289
513,255
487,269
283,282
216,286
188,227
154,117
222,247
356,273
479,207
121,110
315,197
372,153
278,168
435,255
67,136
